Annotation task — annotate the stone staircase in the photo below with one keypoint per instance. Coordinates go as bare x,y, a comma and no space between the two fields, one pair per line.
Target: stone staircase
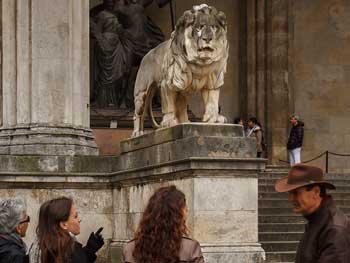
279,229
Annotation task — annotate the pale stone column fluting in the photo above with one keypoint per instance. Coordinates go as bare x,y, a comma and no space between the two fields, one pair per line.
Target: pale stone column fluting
45,84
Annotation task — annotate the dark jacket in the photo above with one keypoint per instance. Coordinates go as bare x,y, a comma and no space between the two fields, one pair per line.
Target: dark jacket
296,136
190,252
327,236
12,249
80,254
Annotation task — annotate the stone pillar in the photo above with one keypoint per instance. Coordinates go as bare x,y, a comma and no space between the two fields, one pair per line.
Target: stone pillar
45,78
214,166
268,91
279,89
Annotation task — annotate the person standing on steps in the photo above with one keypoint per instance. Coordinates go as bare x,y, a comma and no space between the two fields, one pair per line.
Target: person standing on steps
327,233
255,130
295,140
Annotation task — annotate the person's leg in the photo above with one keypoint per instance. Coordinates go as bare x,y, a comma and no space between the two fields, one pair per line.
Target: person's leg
297,153
291,157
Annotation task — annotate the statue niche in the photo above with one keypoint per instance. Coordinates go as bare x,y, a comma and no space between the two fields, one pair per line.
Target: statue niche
120,35
193,59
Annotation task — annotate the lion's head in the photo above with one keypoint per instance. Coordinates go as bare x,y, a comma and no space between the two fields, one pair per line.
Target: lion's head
201,35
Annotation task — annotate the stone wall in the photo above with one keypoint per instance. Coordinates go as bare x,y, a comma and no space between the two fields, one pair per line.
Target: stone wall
321,76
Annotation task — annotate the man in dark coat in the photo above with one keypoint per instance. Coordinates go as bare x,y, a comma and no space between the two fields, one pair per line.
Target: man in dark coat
327,233
13,226
295,140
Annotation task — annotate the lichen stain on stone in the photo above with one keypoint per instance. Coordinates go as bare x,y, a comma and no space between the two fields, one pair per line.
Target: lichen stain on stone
219,154
200,140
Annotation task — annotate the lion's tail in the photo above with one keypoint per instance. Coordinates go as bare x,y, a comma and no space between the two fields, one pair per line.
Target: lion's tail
143,95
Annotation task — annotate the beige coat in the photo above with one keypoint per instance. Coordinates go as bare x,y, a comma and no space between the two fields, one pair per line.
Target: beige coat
190,252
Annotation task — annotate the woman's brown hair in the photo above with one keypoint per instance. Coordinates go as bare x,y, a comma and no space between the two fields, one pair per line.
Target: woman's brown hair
56,245
158,238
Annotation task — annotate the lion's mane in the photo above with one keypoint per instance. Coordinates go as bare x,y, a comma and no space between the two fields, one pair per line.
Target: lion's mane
176,73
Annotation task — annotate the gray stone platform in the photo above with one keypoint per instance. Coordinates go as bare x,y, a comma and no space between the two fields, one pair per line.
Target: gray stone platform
214,166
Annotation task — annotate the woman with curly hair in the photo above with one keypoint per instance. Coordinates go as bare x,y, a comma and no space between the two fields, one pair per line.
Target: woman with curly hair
59,223
160,237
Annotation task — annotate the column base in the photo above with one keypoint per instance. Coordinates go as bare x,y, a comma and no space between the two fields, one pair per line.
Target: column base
47,140
240,252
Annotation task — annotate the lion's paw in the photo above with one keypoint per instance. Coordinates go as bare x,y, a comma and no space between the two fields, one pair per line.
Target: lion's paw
136,133
214,118
221,119
169,120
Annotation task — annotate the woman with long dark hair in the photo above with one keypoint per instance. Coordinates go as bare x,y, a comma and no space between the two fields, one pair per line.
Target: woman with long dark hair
160,237
59,223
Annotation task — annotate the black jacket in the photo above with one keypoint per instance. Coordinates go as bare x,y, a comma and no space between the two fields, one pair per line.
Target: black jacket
80,254
327,236
12,249
296,136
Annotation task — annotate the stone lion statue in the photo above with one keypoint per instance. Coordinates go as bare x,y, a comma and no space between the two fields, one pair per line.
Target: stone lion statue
193,59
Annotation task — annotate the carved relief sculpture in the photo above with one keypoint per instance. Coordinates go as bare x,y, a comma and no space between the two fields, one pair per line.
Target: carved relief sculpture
121,35
193,59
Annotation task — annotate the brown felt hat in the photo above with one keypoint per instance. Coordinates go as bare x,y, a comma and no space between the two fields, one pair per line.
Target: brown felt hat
302,175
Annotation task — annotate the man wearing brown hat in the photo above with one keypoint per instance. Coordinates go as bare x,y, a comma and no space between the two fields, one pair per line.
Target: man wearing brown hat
327,232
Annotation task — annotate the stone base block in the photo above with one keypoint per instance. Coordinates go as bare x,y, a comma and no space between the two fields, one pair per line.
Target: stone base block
242,253
47,140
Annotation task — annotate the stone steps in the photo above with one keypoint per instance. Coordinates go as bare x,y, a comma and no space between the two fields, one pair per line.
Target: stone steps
279,228
286,210
280,256
345,187
272,195
281,246
274,202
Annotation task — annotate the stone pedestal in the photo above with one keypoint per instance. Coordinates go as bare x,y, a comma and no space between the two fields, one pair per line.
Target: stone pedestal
214,166
45,78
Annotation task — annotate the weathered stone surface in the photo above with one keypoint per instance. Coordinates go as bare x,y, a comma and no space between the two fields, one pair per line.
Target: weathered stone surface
45,83
181,131
55,164
186,141
320,78
221,193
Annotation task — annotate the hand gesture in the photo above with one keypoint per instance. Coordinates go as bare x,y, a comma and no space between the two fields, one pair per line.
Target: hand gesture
95,241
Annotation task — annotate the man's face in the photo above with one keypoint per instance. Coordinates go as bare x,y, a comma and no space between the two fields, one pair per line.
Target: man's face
250,124
293,121
305,201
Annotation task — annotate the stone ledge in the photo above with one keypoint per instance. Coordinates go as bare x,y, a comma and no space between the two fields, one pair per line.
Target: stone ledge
240,167
31,164
181,131
47,140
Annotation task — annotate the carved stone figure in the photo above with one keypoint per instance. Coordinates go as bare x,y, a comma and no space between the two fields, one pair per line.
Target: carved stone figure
193,59
122,35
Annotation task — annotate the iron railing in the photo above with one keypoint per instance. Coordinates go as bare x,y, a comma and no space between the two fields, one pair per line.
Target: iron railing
325,153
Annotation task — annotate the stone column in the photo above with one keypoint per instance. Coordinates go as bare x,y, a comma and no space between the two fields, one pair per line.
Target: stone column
267,88
214,166
45,83
279,89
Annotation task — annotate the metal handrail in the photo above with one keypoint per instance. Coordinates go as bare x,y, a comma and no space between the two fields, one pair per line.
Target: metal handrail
327,153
